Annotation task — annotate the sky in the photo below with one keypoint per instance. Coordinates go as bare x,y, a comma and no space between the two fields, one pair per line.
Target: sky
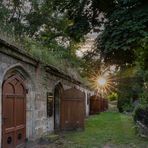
88,44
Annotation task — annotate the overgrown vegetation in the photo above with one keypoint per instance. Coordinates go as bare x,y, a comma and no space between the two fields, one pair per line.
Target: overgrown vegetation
113,96
141,114
141,111
41,30
129,87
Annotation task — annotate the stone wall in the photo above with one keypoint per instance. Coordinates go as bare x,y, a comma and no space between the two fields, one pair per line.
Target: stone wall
38,80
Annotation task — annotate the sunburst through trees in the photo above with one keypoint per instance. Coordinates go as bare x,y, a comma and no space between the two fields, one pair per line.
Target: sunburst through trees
102,82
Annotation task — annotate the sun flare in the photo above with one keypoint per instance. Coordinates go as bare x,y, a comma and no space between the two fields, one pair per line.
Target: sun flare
102,83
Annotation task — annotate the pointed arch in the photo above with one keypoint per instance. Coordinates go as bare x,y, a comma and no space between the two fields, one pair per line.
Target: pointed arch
58,90
19,70
29,83
13,112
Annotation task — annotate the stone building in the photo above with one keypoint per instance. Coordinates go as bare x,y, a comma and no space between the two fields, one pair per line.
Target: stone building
31,97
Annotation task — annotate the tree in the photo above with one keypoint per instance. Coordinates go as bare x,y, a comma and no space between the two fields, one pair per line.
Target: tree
40,21
127,24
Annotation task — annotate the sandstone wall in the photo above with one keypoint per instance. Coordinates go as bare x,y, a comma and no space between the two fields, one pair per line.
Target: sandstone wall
38,81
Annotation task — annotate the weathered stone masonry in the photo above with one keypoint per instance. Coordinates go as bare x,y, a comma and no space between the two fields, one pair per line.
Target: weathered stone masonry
39,80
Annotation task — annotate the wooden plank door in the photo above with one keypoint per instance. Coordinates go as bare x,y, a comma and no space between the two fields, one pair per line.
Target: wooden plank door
72,109
13,113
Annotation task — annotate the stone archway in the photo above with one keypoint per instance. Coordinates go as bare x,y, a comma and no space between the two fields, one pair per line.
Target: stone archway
30,95
13,112
57,106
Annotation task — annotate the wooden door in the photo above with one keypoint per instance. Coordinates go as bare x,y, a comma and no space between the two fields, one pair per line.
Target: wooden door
13,113
72,109
95,105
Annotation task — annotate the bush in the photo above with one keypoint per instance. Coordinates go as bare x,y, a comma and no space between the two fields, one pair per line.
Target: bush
141,114
128,107
113,96
124,104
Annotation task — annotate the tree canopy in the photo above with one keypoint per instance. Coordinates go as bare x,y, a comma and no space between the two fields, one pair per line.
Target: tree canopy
61,25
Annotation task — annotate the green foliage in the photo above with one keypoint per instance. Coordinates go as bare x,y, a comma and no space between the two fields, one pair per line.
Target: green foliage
90,67
57,57
40,19
75,12
60,25
41,29
125,23
142,55
113,96
142,69
128,107
126,26
44,55
124,103
141,114
144,96
130,86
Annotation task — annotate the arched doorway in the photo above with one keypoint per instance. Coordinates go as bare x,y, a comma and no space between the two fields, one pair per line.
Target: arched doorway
13,112
57,106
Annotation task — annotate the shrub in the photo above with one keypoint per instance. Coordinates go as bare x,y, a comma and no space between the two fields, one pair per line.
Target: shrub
124,104
113,96
141,114
128,107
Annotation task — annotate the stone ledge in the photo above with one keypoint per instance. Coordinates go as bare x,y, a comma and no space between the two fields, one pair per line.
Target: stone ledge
142,129
48,138
17,50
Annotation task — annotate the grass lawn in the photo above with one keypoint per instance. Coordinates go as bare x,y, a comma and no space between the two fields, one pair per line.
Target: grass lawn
107,130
